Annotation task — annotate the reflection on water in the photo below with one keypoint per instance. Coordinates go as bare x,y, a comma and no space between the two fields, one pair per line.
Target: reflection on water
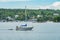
41,31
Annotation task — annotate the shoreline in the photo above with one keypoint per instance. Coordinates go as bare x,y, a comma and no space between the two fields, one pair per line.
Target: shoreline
30,21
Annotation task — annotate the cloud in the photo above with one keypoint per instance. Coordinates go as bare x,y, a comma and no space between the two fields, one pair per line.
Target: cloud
33,7
12,0
55,5
44,7
38,7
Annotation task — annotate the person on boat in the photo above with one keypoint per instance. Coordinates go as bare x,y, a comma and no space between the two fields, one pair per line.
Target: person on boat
17,28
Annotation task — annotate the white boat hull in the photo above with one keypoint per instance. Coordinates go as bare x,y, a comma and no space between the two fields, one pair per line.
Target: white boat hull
24,28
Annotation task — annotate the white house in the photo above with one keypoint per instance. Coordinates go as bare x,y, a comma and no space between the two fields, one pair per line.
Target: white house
39,16
16,16
55,14
9,18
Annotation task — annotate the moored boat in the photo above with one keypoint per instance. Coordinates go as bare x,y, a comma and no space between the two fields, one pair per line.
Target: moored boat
24,28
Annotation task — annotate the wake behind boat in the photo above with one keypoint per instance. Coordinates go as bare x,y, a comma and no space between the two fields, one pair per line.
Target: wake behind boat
24,28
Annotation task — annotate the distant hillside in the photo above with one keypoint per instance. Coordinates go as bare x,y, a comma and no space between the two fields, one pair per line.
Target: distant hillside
44,14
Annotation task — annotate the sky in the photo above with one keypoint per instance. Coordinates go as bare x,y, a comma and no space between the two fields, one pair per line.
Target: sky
30,4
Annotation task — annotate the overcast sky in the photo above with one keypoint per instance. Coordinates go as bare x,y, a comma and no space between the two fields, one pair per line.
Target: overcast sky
31,4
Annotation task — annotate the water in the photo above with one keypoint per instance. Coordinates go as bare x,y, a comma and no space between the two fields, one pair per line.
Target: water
41,31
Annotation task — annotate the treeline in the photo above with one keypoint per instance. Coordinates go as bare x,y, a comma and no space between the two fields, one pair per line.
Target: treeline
42,15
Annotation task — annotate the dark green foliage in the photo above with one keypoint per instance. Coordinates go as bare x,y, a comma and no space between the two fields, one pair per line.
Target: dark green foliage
48,14
57,19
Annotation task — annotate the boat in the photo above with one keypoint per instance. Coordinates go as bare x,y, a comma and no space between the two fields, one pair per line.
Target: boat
24,27
10,29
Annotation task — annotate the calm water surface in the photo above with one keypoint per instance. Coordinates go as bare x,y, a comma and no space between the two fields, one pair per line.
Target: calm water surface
41,31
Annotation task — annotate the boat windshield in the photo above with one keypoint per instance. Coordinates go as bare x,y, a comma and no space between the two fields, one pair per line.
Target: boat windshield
24,25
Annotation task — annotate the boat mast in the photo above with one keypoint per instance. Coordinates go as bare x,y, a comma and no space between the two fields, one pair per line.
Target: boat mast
25,14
